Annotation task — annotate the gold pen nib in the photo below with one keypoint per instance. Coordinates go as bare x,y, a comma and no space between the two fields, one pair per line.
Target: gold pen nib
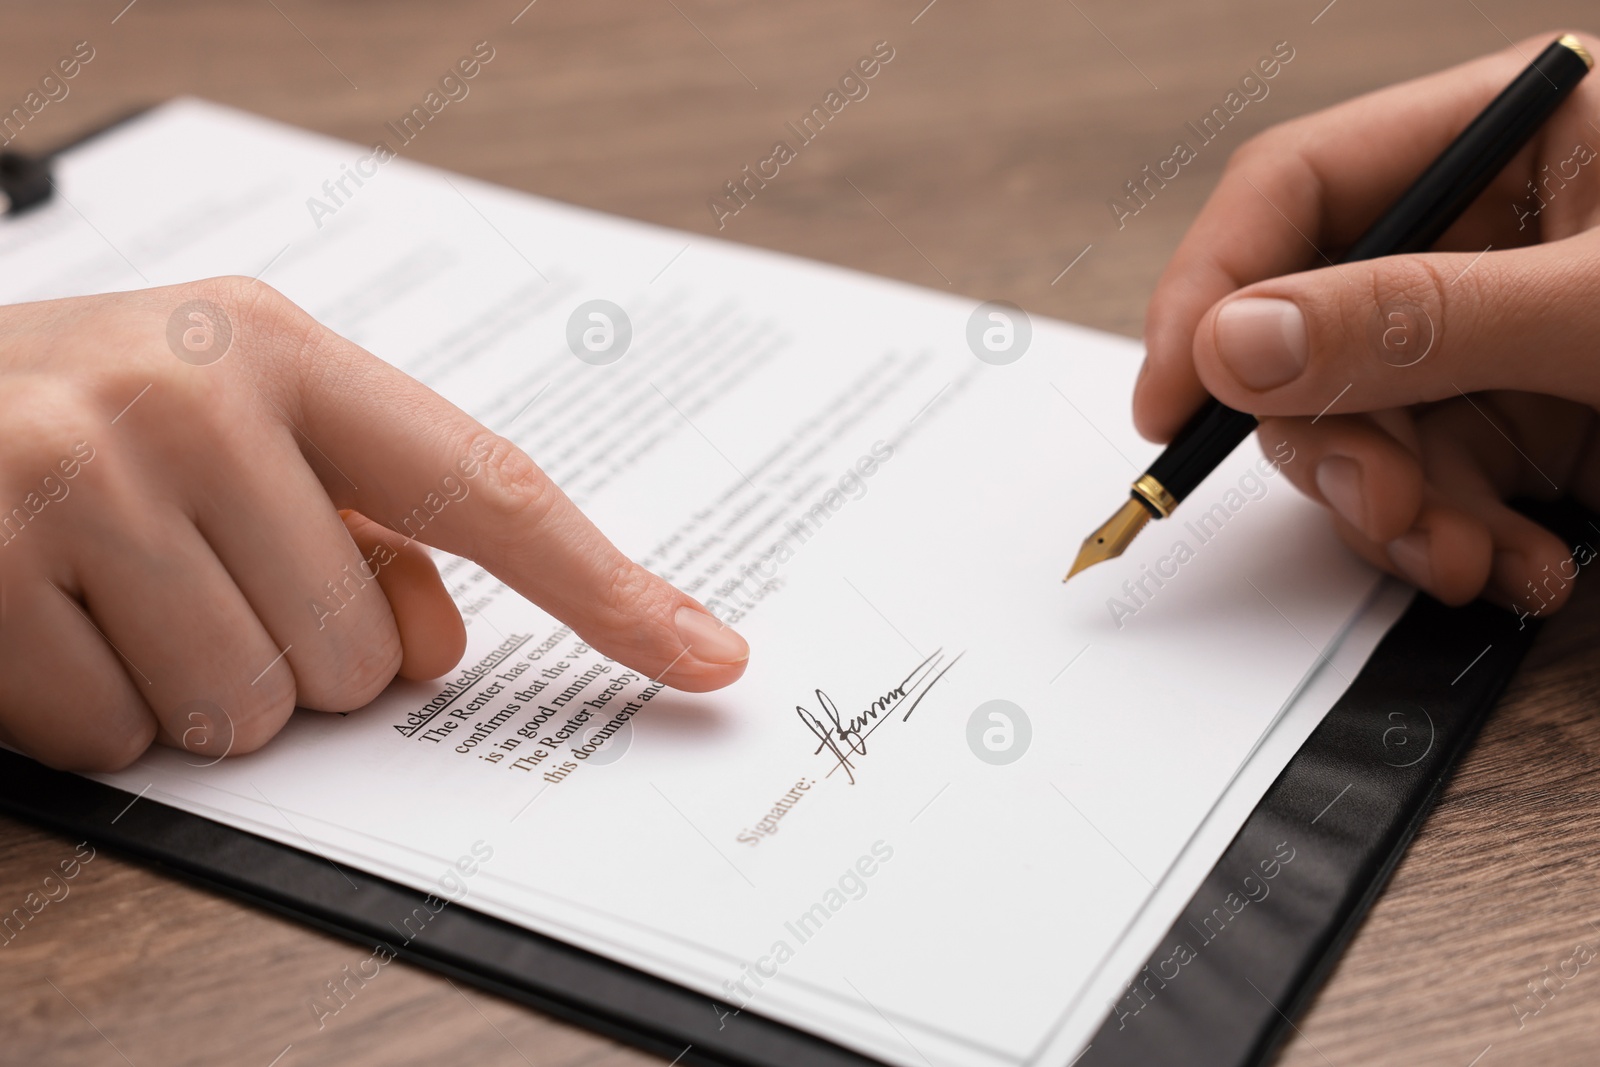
1112,539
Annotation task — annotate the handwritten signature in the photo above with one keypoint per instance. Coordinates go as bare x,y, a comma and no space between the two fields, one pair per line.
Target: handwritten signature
845,739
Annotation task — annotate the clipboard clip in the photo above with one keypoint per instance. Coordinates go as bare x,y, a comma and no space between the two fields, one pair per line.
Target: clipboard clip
24,182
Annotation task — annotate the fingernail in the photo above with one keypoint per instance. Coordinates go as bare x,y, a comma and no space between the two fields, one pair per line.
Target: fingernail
1339,481
1262,342
1409,553
709,640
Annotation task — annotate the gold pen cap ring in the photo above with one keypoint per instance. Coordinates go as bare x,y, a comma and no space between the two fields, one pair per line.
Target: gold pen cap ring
1155,494
1569,41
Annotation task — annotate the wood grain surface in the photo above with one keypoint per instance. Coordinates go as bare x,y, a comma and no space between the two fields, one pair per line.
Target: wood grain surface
981,163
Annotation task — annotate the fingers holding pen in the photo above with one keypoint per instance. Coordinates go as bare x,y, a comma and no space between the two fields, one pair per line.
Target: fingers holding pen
1293,196
1384,506
1447,553
1422,494
1354,467
1482,452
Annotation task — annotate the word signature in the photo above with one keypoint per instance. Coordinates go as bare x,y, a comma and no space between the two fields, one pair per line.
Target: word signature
845,739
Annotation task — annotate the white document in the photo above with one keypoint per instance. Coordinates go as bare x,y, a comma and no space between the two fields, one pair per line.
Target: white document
836,841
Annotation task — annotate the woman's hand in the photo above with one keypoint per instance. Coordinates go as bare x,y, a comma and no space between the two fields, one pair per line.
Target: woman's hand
207,511
1419,392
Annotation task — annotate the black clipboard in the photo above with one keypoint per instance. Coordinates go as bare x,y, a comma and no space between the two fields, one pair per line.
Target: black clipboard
1344,802
1348,803
26,180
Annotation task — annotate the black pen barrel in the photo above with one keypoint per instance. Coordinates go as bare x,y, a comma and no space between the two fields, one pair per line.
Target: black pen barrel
1200,447
1463,170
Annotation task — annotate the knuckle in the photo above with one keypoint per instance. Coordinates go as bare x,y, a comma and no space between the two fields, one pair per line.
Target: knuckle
261,711
372,672
515,491
226,290
120,732
200,397
272,326
189,401
626,591
1401,317
366,671
1268,144
244,298
43,421
106,751
1276,147
122,526
1412,279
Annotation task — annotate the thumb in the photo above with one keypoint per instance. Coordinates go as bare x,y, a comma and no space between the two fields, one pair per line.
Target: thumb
1405,330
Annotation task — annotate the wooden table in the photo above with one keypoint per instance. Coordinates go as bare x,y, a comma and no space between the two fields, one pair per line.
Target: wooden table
981,162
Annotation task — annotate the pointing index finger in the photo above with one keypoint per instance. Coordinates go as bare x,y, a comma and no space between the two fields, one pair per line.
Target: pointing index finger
404,456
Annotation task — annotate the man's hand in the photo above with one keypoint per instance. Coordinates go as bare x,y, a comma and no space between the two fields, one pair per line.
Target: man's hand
1418,392
208,501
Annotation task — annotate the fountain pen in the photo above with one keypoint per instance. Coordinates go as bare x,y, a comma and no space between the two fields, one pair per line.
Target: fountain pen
1412,224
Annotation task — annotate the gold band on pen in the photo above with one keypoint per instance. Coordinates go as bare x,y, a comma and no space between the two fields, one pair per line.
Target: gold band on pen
1155,494
1569,41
